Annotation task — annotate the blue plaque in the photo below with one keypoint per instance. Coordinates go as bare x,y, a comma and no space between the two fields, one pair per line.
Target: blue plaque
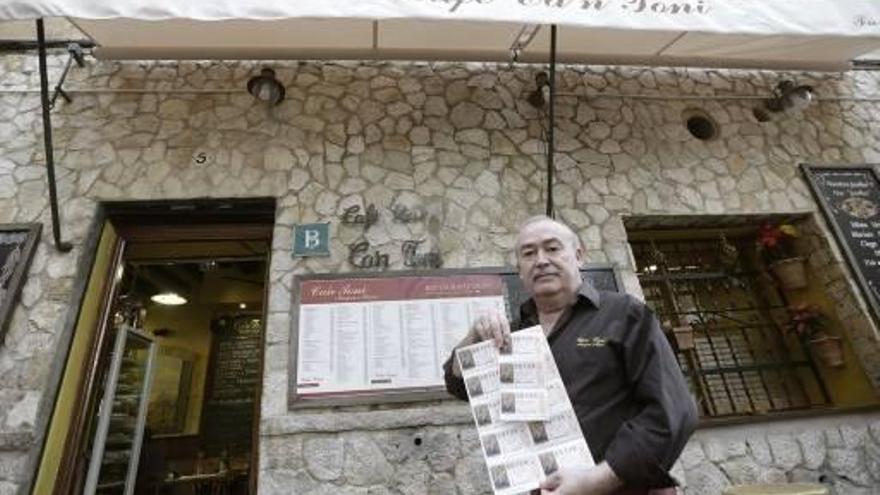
311,239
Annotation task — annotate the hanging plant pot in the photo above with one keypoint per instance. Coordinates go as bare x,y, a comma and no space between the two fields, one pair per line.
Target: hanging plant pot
790,273
829,350
684,337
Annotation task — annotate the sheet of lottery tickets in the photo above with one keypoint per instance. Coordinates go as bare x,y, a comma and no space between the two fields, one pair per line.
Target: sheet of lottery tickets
527,427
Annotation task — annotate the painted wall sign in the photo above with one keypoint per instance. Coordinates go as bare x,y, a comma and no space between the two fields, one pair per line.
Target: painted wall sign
359,256
312,239
354,216
405,214
849,197
413,258
369,215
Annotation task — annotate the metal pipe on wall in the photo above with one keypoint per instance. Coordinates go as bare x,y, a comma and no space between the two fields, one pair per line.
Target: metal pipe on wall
551,122
47,140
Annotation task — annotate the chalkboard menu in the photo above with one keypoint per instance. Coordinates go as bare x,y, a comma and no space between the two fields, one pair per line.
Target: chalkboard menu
850,200
229,405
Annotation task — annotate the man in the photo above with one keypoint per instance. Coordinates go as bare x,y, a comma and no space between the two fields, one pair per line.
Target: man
623,380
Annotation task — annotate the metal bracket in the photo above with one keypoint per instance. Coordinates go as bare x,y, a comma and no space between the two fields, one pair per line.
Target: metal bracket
76,55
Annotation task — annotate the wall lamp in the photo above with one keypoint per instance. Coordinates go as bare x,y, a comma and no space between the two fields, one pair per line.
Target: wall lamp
537,98
266,88
788,95
785,95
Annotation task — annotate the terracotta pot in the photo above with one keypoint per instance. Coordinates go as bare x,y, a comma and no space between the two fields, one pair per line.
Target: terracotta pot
684,337
790,273
829,350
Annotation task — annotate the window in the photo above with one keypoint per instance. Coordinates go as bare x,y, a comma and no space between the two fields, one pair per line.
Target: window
722,316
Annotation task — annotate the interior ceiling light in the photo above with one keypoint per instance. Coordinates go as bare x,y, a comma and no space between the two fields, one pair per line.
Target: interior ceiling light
168,299
788,95
266,88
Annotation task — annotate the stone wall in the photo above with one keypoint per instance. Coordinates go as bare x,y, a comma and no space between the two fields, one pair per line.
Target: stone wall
457,140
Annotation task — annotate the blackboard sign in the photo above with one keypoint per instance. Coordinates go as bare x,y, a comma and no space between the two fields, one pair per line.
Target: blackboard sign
849,197
383,337
229,404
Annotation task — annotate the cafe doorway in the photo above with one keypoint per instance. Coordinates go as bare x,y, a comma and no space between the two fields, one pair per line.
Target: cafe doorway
177,360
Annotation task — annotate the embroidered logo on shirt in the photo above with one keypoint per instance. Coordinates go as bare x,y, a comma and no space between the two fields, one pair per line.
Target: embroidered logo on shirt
591,341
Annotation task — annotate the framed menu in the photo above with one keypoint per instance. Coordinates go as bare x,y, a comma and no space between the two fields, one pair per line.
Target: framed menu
849,197
18,242
383,337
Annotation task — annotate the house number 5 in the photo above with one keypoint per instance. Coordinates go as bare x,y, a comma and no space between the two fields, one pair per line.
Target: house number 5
201,158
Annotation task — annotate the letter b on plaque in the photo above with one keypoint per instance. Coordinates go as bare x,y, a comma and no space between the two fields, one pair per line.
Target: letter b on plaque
312,239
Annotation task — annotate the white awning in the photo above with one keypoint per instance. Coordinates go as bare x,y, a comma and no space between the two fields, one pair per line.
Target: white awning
805,34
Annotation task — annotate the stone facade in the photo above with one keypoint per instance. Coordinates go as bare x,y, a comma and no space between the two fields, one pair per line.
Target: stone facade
459,142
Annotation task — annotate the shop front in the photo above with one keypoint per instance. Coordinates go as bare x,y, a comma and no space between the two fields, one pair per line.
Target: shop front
212,229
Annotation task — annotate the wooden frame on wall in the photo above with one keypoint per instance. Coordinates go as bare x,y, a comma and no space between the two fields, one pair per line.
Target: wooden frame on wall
18,242
604,276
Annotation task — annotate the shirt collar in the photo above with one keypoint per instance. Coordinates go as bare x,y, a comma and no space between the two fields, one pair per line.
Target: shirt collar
529,311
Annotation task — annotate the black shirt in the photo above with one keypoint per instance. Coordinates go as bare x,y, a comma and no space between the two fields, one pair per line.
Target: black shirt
624,383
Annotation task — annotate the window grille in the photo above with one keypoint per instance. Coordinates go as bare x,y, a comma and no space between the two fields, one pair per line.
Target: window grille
739,361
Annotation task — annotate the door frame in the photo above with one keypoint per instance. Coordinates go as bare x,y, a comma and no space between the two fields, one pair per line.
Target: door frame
161,220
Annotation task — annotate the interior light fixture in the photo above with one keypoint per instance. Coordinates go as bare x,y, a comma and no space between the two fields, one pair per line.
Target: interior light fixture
242,306
168,299
789,95
266,88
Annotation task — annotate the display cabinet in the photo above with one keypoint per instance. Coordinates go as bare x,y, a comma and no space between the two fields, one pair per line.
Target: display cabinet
122,414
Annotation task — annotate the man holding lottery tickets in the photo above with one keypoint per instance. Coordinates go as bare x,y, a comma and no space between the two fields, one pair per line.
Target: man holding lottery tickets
621,376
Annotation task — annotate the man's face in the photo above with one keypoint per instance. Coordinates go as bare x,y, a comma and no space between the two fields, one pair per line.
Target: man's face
547,259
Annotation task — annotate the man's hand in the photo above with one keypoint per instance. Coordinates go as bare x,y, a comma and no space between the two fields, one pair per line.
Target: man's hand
597,480
492,325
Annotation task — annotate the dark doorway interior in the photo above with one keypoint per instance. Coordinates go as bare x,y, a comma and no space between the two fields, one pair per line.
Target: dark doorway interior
203,319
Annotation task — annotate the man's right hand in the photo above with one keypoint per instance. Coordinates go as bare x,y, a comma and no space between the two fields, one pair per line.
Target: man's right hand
492,325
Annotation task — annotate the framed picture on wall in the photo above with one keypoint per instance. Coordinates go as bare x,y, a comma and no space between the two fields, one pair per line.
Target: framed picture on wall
18,242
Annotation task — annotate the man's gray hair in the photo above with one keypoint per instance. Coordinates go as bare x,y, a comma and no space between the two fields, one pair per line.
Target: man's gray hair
573,238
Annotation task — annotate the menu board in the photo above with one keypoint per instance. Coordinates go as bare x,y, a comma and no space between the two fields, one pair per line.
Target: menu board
850,200
367,338
227,418
385,334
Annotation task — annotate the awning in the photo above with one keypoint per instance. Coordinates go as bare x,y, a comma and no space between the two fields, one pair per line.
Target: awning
779,34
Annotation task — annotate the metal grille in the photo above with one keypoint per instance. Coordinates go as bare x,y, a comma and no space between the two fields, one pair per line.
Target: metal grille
737,360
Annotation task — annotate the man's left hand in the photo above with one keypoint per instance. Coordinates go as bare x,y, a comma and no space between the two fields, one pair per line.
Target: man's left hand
596,480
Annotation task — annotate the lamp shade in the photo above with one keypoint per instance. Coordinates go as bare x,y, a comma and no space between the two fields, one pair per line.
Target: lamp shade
265,87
